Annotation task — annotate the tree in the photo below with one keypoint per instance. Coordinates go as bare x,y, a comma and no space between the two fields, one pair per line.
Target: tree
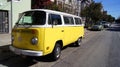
110,18
107,17
92,13
118,20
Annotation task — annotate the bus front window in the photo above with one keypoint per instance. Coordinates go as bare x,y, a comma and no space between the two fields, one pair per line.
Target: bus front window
33,18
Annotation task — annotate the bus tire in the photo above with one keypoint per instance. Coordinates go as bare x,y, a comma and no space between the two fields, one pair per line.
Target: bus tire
78,42
56,52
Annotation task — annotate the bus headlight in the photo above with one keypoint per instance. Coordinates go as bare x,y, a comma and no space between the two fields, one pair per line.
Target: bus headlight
34,40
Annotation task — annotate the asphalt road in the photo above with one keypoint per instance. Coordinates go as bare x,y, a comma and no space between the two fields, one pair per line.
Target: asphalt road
98,49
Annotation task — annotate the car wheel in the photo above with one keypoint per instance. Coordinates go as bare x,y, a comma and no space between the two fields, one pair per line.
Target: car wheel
56,52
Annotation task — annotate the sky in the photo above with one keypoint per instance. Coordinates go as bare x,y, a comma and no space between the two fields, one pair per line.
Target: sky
111,6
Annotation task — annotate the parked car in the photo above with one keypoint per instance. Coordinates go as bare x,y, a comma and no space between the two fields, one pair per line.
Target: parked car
97,27
106,25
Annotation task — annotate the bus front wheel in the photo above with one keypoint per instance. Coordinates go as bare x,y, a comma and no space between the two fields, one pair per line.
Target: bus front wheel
56,52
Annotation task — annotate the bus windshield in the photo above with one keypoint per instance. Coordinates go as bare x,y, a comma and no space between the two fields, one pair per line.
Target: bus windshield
32,18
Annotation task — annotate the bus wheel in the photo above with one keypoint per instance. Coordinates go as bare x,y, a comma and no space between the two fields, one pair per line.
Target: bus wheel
56,52
78,42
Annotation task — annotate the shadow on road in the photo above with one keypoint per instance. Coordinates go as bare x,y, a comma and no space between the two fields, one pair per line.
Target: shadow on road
5,53
47,58
9,59
114,29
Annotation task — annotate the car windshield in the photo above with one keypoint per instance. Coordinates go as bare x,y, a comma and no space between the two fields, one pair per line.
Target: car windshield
32,18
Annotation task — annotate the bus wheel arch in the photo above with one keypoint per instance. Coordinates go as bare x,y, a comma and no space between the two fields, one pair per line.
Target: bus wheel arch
56,53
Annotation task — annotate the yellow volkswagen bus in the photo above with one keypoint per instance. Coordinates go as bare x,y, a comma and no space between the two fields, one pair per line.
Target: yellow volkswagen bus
41,32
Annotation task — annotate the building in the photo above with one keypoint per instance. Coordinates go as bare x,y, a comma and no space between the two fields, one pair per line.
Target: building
6,12
85,3
19,6
73,6
69,6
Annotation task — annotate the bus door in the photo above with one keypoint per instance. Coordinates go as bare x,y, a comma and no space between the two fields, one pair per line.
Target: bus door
54,30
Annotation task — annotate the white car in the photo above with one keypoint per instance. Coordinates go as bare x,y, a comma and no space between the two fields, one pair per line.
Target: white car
97,27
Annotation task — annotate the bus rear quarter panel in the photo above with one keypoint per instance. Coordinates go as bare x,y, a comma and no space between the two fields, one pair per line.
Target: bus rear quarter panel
72,33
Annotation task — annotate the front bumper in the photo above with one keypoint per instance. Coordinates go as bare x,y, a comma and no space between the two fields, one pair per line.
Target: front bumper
26,52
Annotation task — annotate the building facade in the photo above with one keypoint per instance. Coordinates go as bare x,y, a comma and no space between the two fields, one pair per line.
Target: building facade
10,10
69,6
74,6
85,3
9,13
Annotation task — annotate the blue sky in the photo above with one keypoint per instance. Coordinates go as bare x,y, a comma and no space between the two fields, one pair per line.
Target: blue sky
111,6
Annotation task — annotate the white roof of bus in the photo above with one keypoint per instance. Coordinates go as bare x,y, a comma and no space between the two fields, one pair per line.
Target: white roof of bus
53,12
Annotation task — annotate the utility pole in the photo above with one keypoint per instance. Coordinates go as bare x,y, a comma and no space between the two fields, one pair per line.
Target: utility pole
63,4
11,3
79,7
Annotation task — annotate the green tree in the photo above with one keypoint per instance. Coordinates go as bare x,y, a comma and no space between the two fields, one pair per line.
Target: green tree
110,18
118,20
92,13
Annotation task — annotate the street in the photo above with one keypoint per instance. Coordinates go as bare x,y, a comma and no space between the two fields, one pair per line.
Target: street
98,49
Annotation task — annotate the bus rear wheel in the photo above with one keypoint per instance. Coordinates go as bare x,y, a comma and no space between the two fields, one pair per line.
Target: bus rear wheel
78,42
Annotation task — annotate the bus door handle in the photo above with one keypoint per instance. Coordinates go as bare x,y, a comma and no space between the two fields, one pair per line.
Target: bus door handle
62,31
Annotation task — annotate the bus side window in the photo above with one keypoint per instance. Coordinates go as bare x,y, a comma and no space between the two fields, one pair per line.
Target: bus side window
54,19
55,22
78,21
68,20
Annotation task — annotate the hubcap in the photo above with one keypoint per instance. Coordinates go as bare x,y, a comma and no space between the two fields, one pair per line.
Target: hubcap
57,52
79,42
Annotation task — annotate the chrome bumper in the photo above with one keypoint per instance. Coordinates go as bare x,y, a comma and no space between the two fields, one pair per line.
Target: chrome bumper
25,52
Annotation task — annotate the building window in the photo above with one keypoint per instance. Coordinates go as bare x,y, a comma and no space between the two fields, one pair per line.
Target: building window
16,0
13,0
8,0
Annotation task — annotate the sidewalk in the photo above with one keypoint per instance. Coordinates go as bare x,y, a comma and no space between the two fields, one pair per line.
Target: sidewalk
5,53
5,39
